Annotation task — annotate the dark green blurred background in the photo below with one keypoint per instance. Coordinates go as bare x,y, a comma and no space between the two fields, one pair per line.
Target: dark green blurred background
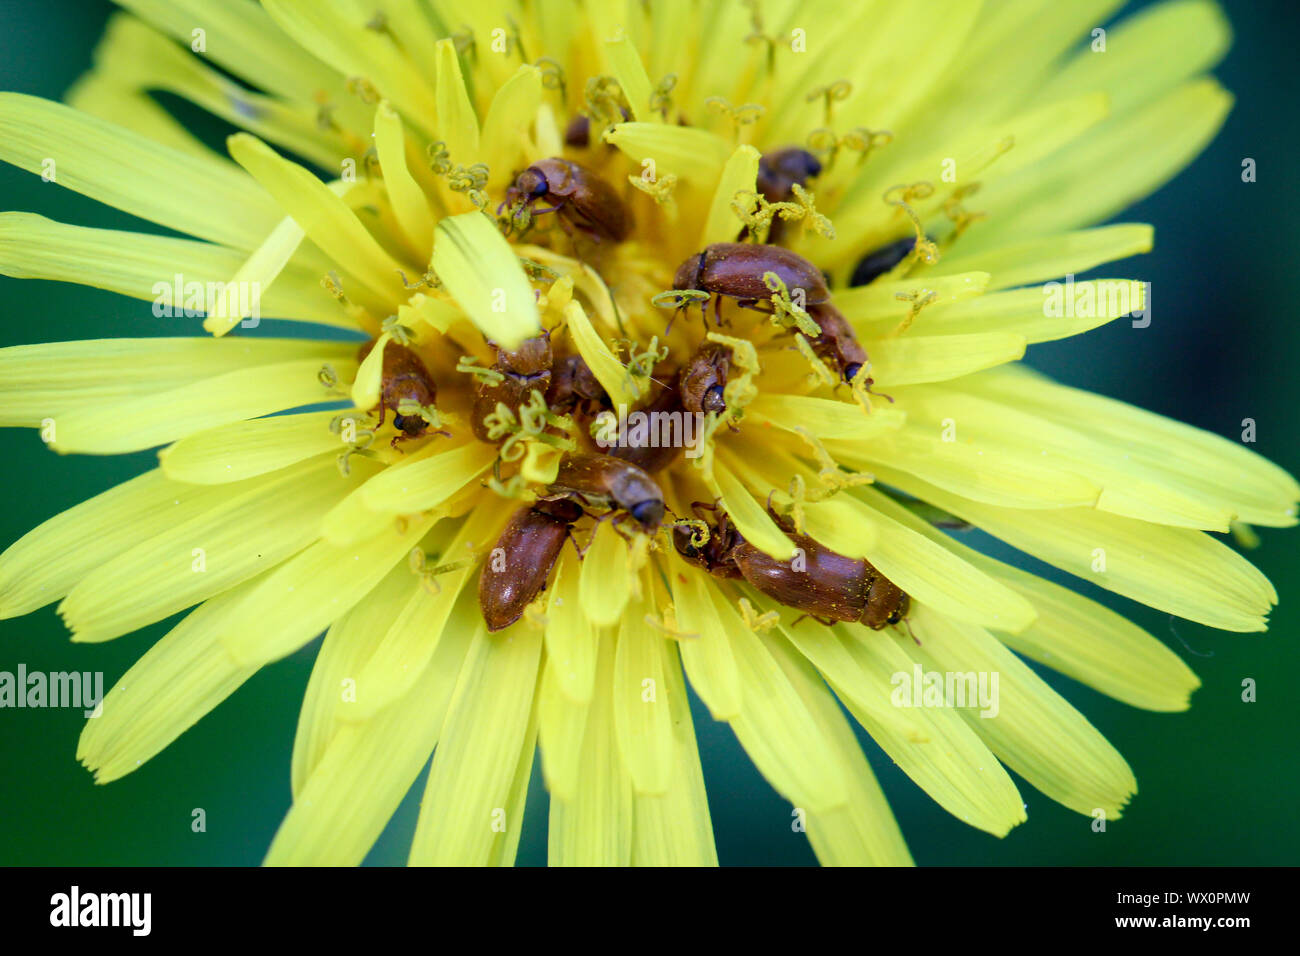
1217,784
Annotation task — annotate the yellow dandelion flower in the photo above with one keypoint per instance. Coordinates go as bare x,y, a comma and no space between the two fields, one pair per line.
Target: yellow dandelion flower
504,204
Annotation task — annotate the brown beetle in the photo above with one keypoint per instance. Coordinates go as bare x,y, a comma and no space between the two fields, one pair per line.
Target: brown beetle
653,456
837,345
524,369
403,378
704,378
578,132
830,587
781,169
736,270
610,484
580,197
875,264
520,565
778,173
575,390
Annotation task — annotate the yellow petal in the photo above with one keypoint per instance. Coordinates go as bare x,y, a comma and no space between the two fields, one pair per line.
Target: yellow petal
168,690
692,154
208,198
606,581
946,759
561,729
571,639
642,722
332,689
232,541
1031,728
1074,635
145,267
1047,457
140,56
910,359
99,94
335,31
45,380
674,828
609,371
410,205
457,124
1184,572
481,271
368,767
738,175
301,597
427,478
594,826
750,518
44,564
369,380
242,38
707,650
398,659
631,75
1054,311
776,728
1147,54
984,474
1022,261
505,128
146,421
825,418
863,832
1117,164
473,804
1193,462
891,300
320,212
247,449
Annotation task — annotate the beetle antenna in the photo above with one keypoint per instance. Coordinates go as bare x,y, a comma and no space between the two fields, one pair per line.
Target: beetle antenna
1190,650
910,633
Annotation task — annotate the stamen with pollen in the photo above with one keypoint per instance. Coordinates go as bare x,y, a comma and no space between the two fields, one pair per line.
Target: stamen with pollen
925,249
829,94
786,313
745,114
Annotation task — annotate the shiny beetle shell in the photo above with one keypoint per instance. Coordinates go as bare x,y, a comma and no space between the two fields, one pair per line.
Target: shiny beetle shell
875,264
736,270
576,193
837,344
524,368
612,483
831,586
520,565
703,379
403,377
780,169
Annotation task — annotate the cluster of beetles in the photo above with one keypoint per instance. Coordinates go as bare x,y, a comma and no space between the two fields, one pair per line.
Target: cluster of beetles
618,483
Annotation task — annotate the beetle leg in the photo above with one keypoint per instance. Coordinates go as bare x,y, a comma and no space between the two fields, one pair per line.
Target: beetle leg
910,632
595,527
669,327
573,539
820,620
698,506
756,305
781,520
617,525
